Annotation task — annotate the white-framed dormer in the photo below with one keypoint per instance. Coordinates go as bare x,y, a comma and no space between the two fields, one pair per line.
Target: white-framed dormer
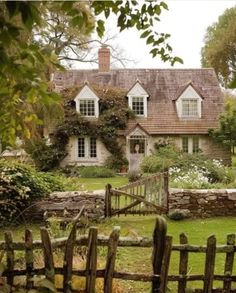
87,102
137,100
189,103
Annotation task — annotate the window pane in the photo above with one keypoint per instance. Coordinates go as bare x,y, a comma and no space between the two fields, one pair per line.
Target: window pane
93,148
137,145
138,105
81,147
195,144
189,108
185,144
87,107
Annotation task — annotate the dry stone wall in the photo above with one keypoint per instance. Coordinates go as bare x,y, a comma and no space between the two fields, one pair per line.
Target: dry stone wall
203,203
71,201
193,203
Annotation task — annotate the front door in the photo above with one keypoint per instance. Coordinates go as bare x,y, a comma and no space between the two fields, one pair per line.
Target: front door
137,151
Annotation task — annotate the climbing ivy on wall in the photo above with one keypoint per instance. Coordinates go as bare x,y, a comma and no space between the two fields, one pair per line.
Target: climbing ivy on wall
113,116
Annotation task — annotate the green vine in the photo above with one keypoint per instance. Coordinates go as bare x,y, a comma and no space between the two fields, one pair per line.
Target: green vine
113,116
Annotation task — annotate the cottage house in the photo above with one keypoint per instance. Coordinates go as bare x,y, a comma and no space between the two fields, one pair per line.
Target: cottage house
179,104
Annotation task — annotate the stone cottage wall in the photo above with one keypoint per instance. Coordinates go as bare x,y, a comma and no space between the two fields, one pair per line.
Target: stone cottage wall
72,158
203,203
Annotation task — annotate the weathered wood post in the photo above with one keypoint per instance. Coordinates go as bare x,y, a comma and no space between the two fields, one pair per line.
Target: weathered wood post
108,201
111,258
183,264
68,256
166,187
9,257
229,262
48,255
209,264
159,237
91,265
29,259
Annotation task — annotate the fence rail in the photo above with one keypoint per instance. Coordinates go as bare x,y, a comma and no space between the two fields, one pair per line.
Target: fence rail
162,249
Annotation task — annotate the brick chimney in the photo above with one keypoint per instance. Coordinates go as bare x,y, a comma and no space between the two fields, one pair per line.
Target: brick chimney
104,59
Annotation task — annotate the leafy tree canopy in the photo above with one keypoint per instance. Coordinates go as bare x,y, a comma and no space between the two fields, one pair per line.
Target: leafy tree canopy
26,63
226,133
219,50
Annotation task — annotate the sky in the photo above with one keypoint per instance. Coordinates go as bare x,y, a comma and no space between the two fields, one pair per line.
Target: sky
186,21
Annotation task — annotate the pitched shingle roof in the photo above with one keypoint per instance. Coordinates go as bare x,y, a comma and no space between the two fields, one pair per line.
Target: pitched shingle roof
164,87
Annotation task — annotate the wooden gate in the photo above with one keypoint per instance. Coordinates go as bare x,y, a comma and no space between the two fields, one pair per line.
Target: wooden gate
146,196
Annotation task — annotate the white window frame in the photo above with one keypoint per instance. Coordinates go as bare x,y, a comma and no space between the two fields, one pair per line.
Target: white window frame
87,94
192,111
137,91
87,107
87,149
189,95
190,142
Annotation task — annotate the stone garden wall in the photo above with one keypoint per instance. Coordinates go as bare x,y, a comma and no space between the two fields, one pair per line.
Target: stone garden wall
71,201
203,203
193,203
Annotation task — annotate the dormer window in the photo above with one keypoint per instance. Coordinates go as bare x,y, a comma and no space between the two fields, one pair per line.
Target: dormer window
189,108
137,99
189,102
87,102
138,105
87,107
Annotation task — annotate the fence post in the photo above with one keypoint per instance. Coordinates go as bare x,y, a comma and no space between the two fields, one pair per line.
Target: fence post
29,259
229,263
48,255
111,258
108,201
68,256
159,237
91,264
209,264
166,187
9,257
183,264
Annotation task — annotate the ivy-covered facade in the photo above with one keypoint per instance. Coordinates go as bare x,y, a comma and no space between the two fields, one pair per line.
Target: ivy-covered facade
118,115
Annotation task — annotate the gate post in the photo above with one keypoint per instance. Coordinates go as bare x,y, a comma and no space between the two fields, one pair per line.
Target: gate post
108,201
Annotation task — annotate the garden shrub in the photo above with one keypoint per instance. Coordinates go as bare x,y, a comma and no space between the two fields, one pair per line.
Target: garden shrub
178,215
188,170
87,171
162,158
20,186
134,176
196,171
116,163
46,157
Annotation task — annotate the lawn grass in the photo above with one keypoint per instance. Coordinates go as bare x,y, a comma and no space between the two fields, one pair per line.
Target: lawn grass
89,184
138,260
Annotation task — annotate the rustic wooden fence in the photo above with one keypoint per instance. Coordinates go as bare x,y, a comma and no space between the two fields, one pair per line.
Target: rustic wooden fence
146,196
162,248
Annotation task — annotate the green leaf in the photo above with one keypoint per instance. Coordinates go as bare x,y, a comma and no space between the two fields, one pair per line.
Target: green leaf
150,39
78,21
178,59
164,5
145,34
100,28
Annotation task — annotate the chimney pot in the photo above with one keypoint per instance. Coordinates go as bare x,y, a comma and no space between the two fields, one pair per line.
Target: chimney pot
104,59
